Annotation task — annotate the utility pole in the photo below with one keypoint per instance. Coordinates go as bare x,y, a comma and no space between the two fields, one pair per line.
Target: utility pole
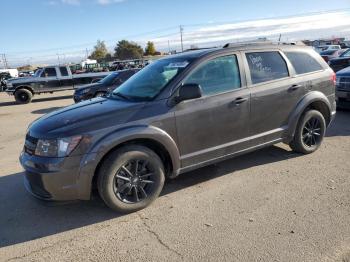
87,53
181,32
279,39
4,61
58,57
169,46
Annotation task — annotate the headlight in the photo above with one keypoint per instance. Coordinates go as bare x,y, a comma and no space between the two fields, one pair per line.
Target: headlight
57,147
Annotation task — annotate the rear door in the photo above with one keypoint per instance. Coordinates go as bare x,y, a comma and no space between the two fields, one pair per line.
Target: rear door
274,93
65,79
214,125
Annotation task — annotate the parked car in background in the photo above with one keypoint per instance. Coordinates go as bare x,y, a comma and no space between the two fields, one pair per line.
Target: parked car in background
178,114
322,48
103,86
330,54
343,88
340,62
49,79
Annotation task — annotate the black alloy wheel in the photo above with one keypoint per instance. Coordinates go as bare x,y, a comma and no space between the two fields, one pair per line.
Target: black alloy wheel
312,132
130,178
309,132
134,181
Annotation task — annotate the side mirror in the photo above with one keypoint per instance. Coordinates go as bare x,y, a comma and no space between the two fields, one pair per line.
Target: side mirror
188,92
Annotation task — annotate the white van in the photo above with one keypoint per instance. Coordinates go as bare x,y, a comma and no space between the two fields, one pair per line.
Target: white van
12,72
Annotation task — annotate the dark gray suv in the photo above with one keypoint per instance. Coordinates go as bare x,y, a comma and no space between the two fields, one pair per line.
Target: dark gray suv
178,114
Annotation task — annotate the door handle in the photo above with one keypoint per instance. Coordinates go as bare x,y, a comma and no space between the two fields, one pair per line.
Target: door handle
295,87
240,100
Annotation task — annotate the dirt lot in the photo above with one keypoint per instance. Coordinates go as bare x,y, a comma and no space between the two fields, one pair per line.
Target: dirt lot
271,205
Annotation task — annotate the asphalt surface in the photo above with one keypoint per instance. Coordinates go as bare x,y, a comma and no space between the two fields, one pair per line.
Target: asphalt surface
270,205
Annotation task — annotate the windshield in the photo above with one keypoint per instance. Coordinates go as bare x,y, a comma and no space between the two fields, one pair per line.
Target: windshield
346,53
148,83
37,73
108,80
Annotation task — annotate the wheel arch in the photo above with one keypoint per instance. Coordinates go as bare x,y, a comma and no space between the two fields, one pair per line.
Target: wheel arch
314,100
152,137
24,87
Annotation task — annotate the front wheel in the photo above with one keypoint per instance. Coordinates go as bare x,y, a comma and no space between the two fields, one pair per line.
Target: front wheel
309,133
23,96
131,178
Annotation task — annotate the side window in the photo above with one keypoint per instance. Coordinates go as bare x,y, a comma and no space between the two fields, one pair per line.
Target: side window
64,71
217,75
49,72
266,66
303,62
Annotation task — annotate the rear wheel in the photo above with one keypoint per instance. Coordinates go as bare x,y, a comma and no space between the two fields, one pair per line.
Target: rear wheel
309,133
131,178
23,96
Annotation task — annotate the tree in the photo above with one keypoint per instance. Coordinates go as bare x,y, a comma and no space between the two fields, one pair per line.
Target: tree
150,48
128,50
100,51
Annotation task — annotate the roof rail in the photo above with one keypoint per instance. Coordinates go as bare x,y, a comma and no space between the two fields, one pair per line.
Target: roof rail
245,43
248,43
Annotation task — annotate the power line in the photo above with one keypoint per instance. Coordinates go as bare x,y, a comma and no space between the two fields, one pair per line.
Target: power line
181,32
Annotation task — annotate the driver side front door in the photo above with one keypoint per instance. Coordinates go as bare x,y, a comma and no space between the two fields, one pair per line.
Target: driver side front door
216,124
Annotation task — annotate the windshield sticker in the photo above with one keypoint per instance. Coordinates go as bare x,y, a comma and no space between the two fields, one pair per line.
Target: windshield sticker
178,64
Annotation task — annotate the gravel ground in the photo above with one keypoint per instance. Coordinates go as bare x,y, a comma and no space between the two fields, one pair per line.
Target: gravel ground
270,205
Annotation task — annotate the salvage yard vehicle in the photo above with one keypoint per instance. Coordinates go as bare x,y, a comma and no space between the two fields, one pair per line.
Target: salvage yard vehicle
340,62
104,86
178,114
343,88
48,80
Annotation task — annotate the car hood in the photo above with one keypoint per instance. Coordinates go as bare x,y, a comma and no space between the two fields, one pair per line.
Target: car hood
83,87
340,59
344,72
20,80
84,117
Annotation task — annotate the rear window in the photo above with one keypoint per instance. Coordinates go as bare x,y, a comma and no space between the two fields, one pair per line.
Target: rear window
303,62
50,71
64,71
266,66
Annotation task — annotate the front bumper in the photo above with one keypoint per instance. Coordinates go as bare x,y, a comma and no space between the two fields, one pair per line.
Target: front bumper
52,178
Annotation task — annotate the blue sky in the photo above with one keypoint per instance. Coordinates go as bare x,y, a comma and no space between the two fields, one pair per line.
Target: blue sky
34,29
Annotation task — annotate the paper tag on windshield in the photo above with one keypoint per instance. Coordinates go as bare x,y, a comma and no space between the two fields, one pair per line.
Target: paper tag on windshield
178,64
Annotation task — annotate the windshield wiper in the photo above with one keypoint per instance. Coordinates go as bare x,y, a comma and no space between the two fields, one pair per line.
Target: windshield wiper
122,96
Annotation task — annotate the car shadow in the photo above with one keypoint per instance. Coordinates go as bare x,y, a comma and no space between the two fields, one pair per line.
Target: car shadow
340,125
46,110
38,100
24,218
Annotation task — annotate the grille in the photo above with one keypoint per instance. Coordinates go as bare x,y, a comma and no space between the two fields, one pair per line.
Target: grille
30,144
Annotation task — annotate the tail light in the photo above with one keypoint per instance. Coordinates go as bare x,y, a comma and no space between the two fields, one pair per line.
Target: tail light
334,78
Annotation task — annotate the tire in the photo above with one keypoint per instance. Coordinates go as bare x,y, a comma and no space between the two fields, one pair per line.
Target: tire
23,96
121,188
99,94
309,133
